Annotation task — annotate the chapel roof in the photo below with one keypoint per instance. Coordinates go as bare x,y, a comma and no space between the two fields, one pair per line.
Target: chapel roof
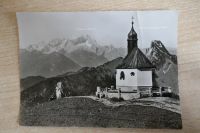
135,60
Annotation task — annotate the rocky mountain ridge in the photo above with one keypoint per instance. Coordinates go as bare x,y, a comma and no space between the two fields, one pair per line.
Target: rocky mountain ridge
70,47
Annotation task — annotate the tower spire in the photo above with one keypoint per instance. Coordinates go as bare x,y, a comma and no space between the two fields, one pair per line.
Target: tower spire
132,38
132,21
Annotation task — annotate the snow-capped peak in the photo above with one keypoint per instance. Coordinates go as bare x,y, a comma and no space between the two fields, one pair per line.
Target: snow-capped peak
54,45
66,45
38,47
83,43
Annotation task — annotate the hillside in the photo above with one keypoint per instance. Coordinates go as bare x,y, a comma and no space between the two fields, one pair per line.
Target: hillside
80,83
36,63
30,81
86,112
86,58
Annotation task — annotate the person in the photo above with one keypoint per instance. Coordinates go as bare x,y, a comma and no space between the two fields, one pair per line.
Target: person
58,90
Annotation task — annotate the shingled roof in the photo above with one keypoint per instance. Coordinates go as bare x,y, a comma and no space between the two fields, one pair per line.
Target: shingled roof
135,60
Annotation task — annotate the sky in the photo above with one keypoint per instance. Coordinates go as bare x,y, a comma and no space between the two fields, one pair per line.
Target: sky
108,27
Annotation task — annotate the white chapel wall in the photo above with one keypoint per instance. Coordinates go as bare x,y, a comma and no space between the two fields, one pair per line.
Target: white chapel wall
144,78
129,80
139,78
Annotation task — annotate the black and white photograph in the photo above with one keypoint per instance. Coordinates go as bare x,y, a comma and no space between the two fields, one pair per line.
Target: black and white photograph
110,69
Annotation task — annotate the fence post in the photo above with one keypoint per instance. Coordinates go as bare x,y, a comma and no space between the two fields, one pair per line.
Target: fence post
149,91
106,94
119,93
160,91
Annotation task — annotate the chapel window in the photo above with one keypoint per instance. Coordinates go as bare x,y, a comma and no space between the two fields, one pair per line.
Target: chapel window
122,75
132,74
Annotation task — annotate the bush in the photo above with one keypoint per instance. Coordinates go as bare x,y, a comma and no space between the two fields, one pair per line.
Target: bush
114,99
175,96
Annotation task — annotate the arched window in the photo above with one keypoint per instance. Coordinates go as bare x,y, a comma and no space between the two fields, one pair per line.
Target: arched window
122,75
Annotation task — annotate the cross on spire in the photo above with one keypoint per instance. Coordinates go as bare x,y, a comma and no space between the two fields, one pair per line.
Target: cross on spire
132,20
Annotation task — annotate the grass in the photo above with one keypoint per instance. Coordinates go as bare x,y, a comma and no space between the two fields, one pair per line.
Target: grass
85,112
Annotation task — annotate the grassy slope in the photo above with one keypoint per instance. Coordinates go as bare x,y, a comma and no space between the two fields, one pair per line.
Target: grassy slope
80,83
89,113
30,81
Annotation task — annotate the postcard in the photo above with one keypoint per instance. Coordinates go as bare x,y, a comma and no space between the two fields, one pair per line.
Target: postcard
99,69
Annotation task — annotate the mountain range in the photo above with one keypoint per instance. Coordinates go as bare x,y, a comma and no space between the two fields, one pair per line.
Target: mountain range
83,46
51,59
83,51
85,80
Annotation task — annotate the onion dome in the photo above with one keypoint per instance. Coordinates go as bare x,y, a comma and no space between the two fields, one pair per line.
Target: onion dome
132,35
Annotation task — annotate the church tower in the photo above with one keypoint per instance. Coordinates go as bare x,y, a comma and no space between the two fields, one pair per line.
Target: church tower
132,39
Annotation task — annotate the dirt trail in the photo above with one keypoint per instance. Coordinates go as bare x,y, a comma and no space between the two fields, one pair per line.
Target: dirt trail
159,102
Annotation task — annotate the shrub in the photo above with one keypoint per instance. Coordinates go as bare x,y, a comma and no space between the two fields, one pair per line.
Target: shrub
114,99
175,96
